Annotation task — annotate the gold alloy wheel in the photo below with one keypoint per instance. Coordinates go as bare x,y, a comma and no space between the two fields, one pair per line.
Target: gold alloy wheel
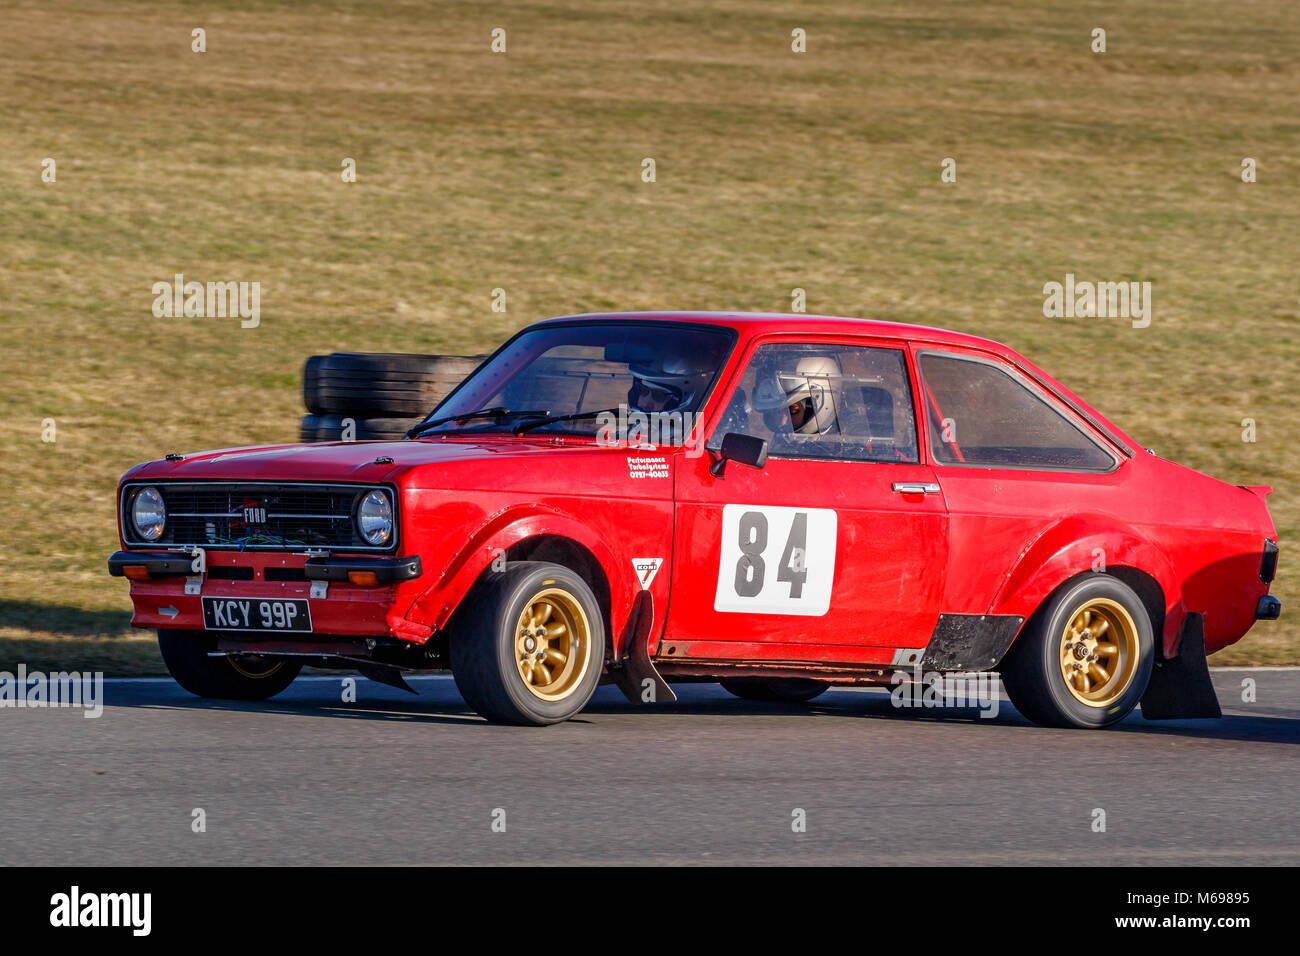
552,644
249,666
1099,652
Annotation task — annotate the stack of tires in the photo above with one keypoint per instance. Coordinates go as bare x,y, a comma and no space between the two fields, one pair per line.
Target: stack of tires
367,396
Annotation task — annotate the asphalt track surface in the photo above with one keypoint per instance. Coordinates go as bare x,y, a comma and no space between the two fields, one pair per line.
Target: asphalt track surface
396,779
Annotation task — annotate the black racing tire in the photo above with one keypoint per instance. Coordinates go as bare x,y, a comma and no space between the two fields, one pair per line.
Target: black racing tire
222,678
309,428
487,644
366,402
788,689
316,428
311,384
1034,670
383,366
381,385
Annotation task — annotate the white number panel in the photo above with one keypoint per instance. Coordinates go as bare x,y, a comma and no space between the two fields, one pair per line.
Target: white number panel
776,560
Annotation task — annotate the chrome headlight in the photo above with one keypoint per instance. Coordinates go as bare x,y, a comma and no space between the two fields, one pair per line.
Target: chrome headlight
375,518
149,513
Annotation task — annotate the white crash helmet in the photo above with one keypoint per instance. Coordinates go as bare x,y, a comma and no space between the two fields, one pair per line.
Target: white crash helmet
679,378
815,382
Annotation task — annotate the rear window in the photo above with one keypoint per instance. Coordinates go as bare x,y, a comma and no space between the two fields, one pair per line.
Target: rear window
982,414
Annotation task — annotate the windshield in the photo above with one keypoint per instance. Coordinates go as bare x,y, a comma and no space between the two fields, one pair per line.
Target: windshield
576,372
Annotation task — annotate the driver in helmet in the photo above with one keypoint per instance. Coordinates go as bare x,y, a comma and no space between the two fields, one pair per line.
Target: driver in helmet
668,383
800,405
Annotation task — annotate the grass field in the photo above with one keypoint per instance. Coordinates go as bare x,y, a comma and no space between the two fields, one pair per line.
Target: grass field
521,170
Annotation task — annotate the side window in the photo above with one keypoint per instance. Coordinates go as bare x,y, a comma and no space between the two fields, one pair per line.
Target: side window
981,414
825,401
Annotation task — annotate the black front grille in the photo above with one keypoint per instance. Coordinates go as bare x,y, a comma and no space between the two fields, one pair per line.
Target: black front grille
256,517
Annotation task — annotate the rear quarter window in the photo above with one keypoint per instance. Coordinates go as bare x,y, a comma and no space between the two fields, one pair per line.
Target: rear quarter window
981,414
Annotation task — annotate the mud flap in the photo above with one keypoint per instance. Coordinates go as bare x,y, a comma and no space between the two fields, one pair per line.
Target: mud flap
636,667
970,642
1180,687
385,675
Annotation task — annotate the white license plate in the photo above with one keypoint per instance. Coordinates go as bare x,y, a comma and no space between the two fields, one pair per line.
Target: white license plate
251,614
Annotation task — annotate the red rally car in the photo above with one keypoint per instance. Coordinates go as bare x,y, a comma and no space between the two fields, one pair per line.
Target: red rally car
778,503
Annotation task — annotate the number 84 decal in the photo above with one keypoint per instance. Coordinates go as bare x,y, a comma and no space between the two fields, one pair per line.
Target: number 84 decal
776,560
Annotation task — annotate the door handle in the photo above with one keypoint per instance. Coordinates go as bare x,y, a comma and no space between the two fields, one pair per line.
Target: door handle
916,487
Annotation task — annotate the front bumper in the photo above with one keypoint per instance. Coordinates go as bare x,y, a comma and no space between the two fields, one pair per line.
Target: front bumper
362,596
141,565
384,570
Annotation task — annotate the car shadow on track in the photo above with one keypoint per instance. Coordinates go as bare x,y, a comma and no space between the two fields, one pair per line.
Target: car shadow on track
1261,728
439,703
412,712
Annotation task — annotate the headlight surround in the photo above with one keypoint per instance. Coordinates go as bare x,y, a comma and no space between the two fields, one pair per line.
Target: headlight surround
375,518
149,513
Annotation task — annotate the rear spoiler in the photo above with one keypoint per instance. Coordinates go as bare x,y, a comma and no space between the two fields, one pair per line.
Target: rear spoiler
1262,490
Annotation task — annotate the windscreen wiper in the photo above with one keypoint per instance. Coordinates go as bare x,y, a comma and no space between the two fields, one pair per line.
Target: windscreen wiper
495,413
552,419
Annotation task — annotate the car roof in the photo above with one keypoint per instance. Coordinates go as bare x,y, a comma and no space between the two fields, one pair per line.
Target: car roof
755,323
750,324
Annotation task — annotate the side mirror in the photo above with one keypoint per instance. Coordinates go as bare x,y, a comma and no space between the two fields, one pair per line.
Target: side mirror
745,449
